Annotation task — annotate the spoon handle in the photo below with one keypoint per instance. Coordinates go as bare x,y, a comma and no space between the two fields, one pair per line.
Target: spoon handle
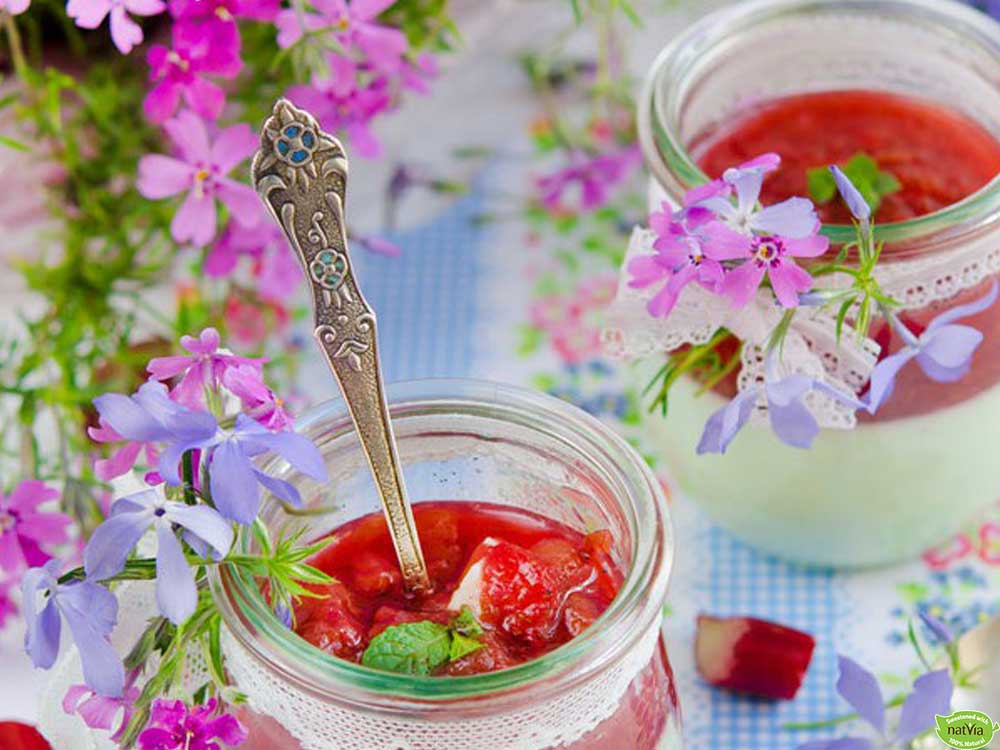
300,173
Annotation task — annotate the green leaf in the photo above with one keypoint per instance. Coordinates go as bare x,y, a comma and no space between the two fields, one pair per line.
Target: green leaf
410,648
466,624
11,143
822,186
462,646
873,183
529,339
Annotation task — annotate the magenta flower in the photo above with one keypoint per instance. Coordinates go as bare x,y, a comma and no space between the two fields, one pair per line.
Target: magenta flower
764,164
203,368
684,255
99,711
178,73
174,726
354,26
7,606
944,350
25,530
349,111
259,402
201,170
211,24
125,458
593,177
772,255
125,33
276,270
14,7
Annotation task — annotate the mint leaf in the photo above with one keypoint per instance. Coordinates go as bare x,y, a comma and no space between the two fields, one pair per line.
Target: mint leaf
409,648
873,183
466,624
462,646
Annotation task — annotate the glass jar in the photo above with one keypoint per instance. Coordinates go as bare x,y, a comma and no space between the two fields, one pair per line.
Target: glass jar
911,476
609,688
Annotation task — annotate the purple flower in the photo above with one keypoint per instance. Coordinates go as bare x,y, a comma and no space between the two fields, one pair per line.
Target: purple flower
99,711
259,402
178,74
201,171
940,631
593,176
791,420
944,350
174,726
122,460
90,612
931,696
764,164
25,529
346,109
131,517
852,196
354,27
772,255
150,415
235,480
202,369
125,33
379,245
683,256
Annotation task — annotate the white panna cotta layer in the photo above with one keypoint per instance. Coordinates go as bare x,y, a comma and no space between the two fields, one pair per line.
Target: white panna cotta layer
878,494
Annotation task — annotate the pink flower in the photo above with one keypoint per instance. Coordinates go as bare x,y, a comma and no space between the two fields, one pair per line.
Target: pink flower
576,343
592,177
201,170
178,73
98,711
259,402
555,312
212,23
277,272
772,255
989,543
7,606
24,529
125,33
955,549
203,368
350,111
174,726
685,253
354,27
250,322
597,292
124,459
14,7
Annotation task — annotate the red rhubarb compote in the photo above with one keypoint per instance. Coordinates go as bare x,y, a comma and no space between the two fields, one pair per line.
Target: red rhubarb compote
537,584
939,156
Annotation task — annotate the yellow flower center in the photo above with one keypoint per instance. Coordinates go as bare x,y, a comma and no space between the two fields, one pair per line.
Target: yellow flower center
343,24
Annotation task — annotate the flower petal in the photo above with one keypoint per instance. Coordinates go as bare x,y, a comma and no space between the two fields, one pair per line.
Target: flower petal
931,697
723,426
794,218
233,483
205,523
297,449
950,347
793,423
102,667
967,310
883,377
742,282
720,242
861,690
285,490
162,176
125,32
110,544
233,146
176,594
41,638
645,270
188,132
841,743
788,280
807,247
241,200
194,221
851,195
129,419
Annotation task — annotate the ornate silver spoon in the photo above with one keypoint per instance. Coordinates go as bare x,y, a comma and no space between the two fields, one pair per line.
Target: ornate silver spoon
300,173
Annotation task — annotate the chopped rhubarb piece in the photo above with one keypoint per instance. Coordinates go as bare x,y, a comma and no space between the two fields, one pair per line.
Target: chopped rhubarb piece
17,736
752,656
331,624
491,657
580,612
520,593
375,574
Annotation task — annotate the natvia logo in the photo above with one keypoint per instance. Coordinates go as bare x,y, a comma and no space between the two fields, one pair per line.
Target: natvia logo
967,730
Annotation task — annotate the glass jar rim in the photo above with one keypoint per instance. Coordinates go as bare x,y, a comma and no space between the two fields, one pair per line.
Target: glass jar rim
249,618
956,221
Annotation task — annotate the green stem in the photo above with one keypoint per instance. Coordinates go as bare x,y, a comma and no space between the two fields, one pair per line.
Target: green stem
188,469
894,703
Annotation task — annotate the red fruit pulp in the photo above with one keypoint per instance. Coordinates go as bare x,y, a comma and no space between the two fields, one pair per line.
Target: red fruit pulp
940,156
542,582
